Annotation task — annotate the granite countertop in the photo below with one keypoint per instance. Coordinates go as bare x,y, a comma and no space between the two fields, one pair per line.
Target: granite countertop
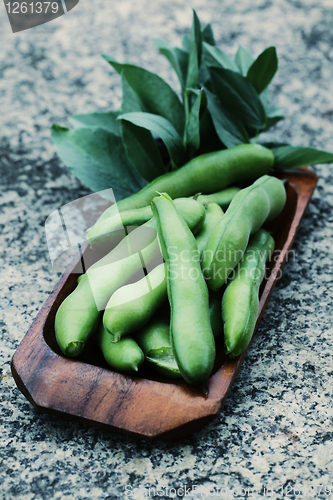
274,432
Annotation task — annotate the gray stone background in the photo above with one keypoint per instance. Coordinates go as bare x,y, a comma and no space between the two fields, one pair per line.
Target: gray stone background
275,429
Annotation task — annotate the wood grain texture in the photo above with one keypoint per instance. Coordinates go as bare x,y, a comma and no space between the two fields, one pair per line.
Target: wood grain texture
146,405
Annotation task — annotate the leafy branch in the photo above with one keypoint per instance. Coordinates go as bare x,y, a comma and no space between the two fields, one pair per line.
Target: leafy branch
223,103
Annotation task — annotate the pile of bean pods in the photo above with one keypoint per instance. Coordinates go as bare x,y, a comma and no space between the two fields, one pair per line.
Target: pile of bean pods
202,268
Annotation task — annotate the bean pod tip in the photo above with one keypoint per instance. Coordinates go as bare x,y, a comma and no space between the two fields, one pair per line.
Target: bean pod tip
74,349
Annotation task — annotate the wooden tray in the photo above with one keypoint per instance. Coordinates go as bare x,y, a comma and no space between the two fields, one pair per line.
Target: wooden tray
150,407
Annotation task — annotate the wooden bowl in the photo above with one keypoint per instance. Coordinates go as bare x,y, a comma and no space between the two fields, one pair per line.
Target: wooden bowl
145,405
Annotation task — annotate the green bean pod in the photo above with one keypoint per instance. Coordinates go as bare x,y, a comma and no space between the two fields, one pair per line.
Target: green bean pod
206,174
250,208
154,340
222,198
214,214
106,231
124,356
192,338
132,306
240,302
78,315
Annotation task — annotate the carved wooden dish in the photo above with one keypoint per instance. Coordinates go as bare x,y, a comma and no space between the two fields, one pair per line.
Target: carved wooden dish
145,405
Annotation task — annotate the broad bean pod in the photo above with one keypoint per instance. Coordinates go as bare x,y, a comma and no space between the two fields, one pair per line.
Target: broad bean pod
222,198
205,174
251,207
214,214
131,306
154,340
124,356
107,229
192,338
78,315
240,302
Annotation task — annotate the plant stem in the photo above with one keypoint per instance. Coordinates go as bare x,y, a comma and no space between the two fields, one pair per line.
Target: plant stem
187,115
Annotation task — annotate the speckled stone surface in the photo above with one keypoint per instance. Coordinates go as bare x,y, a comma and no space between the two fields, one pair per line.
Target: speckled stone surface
274,433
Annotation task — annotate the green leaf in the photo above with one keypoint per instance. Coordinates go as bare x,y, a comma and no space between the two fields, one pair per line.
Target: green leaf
274,115
186,42
193,126
214,56
237,95
208,35
182,57
200,92
178,59
263,69
142,151
164,129
294,156
244,59
154,94
229,129
140,146
197,35
273,111
264,99
130,101
195,50
209,140
271,121
98,159
204,75
105,120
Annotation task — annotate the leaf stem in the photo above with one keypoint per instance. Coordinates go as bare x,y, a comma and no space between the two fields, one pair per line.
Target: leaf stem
187,115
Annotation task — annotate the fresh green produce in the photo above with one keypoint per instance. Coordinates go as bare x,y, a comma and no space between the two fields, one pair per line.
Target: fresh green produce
205,174
105,230
204,141
240,303
112,221
154,340
132,306
124,356
224,102
250,208
78,314
192,338
214,214
133,243
222,198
